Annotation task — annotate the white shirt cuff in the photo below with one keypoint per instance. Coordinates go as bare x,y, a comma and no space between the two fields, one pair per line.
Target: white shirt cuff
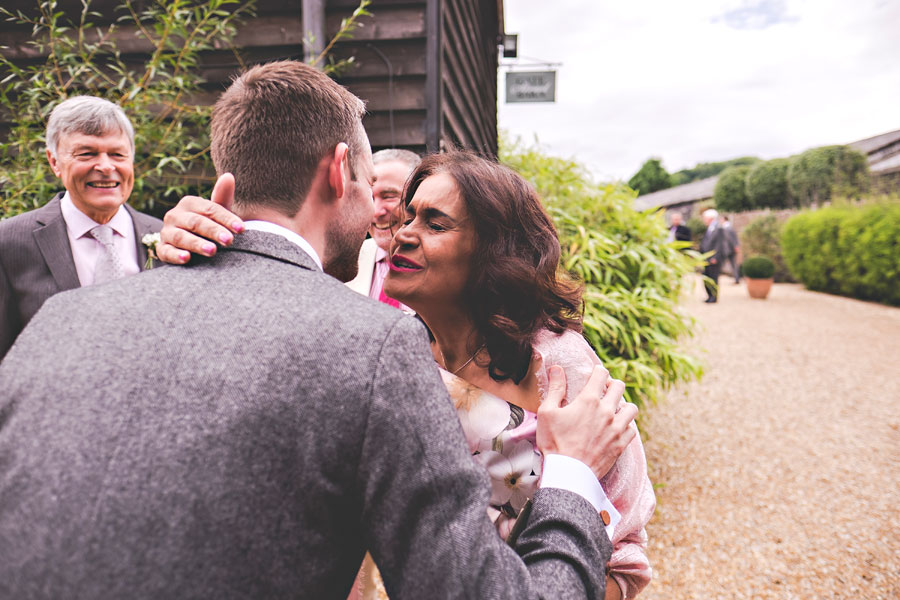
567,473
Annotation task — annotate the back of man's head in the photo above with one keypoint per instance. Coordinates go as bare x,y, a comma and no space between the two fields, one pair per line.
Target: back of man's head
88,115
273,126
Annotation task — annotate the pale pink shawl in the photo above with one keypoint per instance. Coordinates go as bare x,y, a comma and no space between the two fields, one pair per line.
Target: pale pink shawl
626,484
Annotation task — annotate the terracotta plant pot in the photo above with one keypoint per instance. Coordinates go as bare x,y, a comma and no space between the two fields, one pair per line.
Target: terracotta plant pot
758,288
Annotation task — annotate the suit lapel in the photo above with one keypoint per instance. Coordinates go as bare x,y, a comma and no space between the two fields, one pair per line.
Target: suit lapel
142,226
53,242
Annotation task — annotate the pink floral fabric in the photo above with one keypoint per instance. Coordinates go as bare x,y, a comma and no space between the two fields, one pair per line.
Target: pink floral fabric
627,484
501,438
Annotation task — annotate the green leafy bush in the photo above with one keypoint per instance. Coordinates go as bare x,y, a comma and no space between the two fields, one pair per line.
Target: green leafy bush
171,132
704,170
633,278
818,174
848,250
651,177
767,184
758,267
763,236
731,190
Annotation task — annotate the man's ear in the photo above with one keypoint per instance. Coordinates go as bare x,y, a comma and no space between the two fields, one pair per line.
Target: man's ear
336,172
52,160
223,192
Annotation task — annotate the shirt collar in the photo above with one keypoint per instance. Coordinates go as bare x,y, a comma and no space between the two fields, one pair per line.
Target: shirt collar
79,224
291,236
380,254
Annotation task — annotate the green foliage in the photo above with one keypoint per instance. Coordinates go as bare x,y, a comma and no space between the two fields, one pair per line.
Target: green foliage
651,177
820,173
758,267
767,184
633,277
763,236
159,96
848,250
731,190
704,170
171,132
697,227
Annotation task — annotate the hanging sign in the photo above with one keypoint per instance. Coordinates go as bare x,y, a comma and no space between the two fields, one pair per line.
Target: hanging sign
530,86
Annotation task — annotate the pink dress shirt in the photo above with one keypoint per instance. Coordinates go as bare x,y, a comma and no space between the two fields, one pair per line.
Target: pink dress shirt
376,292
86,250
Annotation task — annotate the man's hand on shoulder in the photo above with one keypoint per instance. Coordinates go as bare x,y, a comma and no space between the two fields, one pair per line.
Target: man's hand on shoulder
191,225
594,428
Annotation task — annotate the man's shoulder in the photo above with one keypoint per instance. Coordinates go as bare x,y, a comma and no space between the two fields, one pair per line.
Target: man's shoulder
24,223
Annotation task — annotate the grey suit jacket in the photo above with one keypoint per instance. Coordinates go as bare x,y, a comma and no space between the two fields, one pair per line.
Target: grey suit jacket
36,262
246,428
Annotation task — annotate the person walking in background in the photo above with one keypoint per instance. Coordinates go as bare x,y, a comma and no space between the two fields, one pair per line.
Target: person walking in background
715,241
734,248
85,235
678,232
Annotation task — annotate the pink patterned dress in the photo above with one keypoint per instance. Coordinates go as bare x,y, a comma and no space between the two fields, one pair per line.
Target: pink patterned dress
502,438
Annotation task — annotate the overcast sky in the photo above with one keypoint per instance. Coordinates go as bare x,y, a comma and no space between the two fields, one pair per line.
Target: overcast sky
705,80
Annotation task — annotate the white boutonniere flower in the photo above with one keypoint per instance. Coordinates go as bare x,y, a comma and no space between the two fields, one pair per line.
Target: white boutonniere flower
150,240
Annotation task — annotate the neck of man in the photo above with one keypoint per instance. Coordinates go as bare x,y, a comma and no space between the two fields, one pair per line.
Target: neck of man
300,224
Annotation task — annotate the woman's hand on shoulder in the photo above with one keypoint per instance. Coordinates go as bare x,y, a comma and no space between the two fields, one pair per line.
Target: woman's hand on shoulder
195,223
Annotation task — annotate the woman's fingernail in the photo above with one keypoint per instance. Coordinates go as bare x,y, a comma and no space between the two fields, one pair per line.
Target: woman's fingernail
209,248
183,256
225,237
237,226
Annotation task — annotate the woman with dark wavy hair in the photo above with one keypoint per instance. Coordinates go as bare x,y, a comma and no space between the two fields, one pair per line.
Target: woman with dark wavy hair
477,258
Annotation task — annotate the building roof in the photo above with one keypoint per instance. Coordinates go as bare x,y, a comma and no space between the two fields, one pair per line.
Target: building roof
702,189
876,143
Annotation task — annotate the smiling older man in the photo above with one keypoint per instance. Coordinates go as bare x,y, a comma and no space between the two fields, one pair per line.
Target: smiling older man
85,235
392,168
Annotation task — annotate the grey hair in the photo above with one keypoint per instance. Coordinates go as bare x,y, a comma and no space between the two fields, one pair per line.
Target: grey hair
87,115
410,159
711,213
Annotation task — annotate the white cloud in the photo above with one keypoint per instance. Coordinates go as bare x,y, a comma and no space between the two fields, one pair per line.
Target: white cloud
706,80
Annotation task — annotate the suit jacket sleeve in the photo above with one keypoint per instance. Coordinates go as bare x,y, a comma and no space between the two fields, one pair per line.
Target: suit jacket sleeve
9,317
425,500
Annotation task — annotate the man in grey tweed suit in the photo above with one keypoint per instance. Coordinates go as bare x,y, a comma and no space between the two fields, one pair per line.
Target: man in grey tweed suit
248,426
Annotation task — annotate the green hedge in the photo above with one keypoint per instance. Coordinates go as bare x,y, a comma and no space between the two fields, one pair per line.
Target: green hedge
763,236
634,279
731,190
767,184
820,173
848,250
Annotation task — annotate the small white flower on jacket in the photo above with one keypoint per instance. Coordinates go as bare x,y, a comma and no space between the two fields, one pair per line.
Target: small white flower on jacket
151,240
510,472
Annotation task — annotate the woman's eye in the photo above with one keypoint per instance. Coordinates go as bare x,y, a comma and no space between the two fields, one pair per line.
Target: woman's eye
437,227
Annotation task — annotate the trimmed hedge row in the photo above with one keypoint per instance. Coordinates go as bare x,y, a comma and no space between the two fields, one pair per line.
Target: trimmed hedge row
847,250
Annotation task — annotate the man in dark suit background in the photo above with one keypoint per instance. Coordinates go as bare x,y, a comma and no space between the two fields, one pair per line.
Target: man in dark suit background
677,231
90,146
714,240
248,426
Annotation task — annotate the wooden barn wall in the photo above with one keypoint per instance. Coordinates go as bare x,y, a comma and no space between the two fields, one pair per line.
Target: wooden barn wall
391,63
469,55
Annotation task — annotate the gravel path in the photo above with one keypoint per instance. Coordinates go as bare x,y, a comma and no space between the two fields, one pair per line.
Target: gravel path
779,473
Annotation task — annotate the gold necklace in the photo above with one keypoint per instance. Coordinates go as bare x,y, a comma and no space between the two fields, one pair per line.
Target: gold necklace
463,366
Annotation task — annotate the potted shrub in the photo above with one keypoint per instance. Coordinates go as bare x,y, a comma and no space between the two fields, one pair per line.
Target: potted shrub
758,271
